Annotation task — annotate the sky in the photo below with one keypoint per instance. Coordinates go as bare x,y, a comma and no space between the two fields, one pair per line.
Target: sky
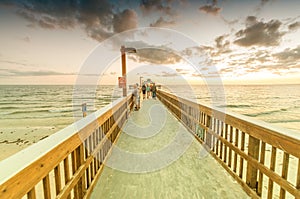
236,42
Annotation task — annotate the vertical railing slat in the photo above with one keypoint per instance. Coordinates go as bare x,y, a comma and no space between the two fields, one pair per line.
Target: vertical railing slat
225,146
57,179
262,161
31,194
272,168
74,168
284,173
241,159
230,150
217,139
253,151
235,154
46,187
221,143
79,162
67,172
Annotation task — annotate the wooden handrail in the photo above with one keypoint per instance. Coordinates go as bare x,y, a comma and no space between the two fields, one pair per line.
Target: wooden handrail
68,163
230,137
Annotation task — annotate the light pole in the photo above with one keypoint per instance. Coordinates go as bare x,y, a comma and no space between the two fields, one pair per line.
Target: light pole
123,57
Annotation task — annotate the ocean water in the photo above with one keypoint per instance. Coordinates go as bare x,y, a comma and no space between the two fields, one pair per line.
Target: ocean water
276,104
41,102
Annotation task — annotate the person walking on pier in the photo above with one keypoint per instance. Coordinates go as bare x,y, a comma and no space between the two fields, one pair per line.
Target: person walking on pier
153,89
136,97
144,91
148,91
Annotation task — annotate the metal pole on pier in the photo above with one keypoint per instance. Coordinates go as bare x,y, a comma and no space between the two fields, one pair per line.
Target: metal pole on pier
84,109
123,58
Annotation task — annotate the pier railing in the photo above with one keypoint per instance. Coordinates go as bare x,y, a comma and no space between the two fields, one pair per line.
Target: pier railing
263,159
68,163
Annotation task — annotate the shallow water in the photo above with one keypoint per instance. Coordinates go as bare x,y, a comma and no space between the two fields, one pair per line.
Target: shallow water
29,113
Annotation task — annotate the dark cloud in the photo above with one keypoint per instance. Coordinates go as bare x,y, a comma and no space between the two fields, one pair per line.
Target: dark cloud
125,20
211,8
161,22
250,21
263,2
46,25
156,55
98,18
163,6
259,33
221,43
294,26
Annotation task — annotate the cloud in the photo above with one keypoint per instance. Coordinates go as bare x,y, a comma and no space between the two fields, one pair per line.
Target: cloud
211,8
259,33
98,18
182,71
221,43
161,22
294,26
163,6
125,20
14,72
156,55
289,56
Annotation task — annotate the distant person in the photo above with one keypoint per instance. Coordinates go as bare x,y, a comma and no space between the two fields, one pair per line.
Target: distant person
144,91
153,89
136,97
148,91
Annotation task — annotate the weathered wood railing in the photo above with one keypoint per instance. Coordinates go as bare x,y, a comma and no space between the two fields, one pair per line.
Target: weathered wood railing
66,164
256,154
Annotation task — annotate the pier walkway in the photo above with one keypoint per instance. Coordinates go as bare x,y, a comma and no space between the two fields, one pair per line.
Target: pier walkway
156,157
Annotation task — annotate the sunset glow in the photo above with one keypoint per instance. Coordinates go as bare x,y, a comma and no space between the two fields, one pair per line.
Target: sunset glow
249,42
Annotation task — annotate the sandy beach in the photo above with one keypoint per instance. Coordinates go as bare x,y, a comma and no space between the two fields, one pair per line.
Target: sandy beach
17,134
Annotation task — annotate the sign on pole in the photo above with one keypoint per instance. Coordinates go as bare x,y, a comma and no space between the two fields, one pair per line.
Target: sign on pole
122,82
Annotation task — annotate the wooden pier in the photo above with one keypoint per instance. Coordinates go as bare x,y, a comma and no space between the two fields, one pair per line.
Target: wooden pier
264,160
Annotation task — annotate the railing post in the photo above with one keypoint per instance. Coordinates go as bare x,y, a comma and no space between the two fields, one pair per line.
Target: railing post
253,151
208,134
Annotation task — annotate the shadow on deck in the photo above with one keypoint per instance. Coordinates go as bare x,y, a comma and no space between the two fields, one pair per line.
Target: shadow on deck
156,157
